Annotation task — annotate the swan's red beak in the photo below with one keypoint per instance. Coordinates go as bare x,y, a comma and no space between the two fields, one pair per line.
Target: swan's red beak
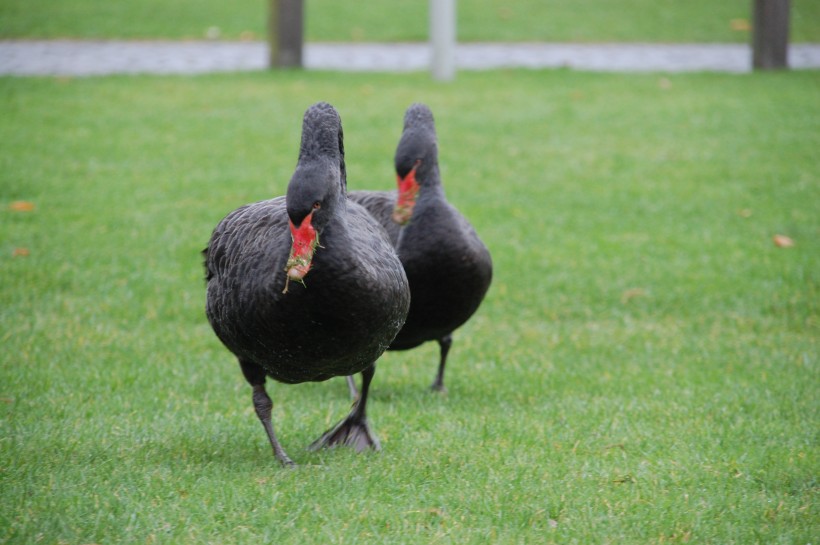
305,239
408,192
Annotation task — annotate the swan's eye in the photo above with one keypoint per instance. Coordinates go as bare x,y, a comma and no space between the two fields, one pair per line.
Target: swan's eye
317,205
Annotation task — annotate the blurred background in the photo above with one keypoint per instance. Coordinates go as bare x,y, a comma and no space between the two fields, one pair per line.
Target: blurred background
726,21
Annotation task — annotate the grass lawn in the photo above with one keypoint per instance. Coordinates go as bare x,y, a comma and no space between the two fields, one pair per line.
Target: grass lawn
644,369
404,20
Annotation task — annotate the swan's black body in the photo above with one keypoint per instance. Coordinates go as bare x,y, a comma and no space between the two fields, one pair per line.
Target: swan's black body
340,317
447,265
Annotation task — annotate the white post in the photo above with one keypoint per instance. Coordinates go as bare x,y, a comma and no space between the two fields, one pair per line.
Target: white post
443,39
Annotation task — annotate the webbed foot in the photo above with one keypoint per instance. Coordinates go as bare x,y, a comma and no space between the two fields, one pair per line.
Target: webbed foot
352,431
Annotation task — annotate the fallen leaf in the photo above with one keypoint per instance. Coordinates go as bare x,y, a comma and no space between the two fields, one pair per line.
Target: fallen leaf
782,241
665,83
21,206
553,523
632,293
357,34
740,25
20,252
745,213
505,13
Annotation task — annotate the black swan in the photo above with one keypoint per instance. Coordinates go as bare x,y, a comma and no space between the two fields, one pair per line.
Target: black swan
307,286
447,265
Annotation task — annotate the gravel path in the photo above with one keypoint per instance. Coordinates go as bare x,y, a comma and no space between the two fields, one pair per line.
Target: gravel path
87,58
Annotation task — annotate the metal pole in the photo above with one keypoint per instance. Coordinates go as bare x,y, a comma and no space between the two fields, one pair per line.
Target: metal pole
443,39
770,39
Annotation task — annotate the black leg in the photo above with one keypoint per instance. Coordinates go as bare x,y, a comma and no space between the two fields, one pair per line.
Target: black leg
263,406
354,430
359,410
444,345
351,385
